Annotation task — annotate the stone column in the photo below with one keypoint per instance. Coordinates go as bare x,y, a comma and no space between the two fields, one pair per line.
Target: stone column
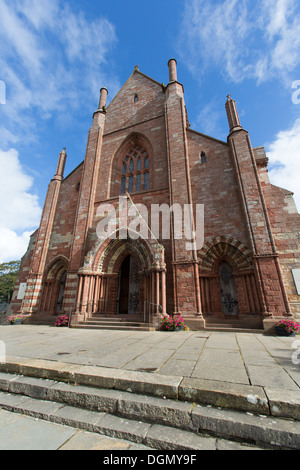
163,292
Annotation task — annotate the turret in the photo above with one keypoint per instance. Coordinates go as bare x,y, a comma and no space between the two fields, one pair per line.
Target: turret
103,98
232,115
172,64
61,165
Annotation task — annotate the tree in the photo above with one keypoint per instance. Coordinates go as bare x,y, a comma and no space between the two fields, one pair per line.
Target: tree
8,276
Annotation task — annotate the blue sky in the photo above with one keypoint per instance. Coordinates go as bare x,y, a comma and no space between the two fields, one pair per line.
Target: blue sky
56,55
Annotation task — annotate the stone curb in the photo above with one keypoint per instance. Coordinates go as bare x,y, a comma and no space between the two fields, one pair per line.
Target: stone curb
155,422
254,399
161,424
151,435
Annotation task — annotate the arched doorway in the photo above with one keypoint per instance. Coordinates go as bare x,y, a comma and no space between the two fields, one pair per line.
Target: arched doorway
227,286
122,277
129,287
54,288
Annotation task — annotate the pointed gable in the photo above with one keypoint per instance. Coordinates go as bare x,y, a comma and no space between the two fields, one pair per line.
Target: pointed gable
139,100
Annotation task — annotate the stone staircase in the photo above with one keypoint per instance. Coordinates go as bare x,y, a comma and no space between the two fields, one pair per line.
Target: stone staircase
247,324
158,423
137,322
115,322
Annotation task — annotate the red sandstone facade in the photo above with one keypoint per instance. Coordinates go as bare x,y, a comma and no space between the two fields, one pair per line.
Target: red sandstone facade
142,144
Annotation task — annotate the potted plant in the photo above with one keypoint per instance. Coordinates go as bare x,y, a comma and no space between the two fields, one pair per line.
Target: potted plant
14,319
287,328
173,323
62,320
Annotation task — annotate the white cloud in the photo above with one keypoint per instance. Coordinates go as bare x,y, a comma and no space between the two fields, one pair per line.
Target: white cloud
37,12
51,58
19,38
19,210
53,63
284,157
208,120
12,245
246,39
86,40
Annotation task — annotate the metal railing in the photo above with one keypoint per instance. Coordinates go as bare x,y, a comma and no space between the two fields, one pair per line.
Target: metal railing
151,314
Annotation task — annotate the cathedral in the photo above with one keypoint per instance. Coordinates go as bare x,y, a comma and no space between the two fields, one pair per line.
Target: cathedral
160,219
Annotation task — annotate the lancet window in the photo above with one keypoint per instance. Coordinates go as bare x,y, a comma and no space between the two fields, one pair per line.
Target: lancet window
135,170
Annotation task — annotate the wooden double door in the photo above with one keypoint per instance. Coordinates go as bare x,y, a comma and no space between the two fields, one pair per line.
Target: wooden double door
229,301
128,288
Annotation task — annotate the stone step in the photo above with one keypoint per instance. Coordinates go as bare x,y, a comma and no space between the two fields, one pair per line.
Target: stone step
107,326
154,422
232,329
124,322
246,325
117,318
240,397
145,436
96,321
234,321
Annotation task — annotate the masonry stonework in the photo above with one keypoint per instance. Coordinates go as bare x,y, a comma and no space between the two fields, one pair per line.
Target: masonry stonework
141,147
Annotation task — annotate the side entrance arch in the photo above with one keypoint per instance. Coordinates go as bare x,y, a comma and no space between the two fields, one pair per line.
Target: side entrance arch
228,284
54,288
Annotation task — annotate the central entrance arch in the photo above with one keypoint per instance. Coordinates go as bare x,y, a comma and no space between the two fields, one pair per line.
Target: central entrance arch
125,276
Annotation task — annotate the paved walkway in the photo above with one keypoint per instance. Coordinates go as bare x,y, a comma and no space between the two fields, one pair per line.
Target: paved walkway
19,432
230,360
240,358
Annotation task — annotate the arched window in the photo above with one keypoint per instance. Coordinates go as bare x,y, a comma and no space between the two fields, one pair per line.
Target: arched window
135,170
203,157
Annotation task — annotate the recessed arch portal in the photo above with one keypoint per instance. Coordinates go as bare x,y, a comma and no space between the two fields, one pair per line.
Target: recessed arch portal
123,276
228,283
54,286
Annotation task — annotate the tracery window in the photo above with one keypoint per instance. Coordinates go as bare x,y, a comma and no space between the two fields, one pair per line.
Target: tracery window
135,170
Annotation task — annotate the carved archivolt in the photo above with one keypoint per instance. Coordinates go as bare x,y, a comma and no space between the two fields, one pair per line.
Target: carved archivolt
55,269
106,255
227,249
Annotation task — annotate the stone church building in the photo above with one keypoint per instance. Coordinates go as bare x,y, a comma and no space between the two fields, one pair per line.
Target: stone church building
245,272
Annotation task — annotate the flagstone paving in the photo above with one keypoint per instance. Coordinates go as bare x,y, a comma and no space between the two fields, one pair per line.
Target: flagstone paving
230,359
243,358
